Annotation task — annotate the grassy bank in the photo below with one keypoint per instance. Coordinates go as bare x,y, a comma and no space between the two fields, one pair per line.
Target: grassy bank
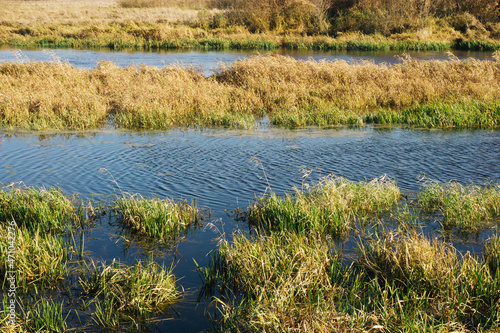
232,24
398,282
460,94
155,38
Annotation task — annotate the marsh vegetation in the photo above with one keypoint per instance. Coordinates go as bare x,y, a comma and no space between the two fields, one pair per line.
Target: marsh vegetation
289,272
41,242
223,24
293,276
291,93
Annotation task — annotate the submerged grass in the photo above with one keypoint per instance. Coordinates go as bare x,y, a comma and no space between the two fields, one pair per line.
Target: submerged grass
160,219
332,206
129,292
47,210
400,282
292,93
466,207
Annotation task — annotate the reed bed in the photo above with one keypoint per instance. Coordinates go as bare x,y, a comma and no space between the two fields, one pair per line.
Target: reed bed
47,210
491,255
40,258
429,283
466,207
129,293
159,219
399,281
284,280
332,206
292,93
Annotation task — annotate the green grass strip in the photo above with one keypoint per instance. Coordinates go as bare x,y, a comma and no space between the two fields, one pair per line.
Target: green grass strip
332,206
466,207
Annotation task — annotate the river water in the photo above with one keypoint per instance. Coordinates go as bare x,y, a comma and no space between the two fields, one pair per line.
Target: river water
207,62
214,166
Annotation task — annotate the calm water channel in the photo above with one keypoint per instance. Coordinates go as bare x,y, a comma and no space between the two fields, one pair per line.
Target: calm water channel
207,62
214,167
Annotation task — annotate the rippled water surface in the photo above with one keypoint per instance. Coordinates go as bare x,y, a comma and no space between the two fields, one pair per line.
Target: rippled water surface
207,62
215,168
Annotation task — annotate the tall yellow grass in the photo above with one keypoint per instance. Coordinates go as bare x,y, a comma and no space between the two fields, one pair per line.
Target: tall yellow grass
56,95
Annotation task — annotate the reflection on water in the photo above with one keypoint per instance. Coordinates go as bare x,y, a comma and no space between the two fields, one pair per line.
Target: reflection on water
214,167
207,62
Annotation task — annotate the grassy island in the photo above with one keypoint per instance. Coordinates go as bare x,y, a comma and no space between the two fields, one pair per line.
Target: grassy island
291,93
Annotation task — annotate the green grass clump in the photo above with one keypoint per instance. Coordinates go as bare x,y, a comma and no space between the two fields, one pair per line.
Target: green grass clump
491,255
45,316
157,218
38,208
318,116
40,258
128,292
464,207
458,115
427,284
332,206
284,280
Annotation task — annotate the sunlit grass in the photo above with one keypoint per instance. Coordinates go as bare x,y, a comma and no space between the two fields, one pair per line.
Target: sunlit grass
38,258
467,207
399,281
160,219
443,286
284,280
491,255
291,93
45,316
47,210
331,206
122,292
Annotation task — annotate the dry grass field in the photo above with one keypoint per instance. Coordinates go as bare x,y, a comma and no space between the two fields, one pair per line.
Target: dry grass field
218,24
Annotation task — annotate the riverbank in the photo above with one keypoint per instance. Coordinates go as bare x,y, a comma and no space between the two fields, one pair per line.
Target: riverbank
203,25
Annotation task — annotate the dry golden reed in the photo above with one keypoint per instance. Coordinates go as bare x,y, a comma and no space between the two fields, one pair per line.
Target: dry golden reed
56,95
